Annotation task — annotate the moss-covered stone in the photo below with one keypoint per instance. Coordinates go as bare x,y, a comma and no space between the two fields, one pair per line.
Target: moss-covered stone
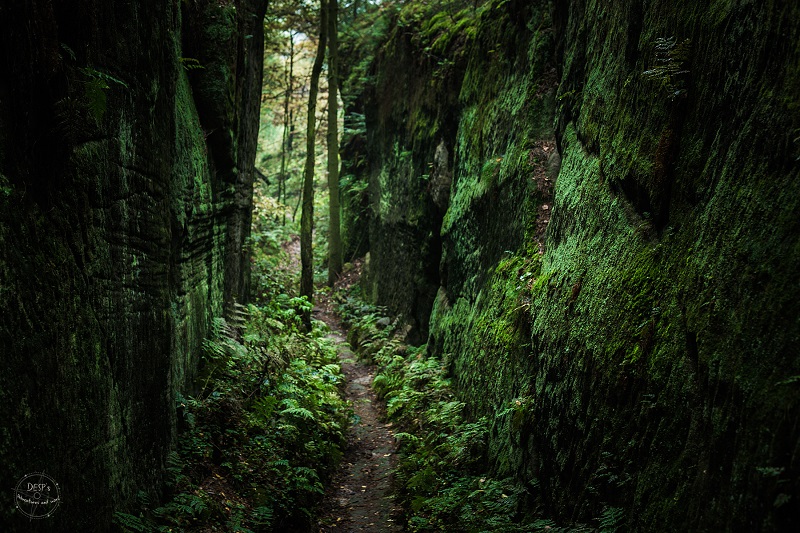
652,347
410,109
116,238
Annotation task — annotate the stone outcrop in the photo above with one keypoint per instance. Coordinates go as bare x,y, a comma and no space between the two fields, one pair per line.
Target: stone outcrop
127,141
619,247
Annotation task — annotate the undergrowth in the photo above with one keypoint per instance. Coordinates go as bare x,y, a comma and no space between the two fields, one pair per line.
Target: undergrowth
443,479
266,427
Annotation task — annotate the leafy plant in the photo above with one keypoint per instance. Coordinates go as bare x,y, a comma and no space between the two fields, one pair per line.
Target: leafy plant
611,519
265,430
442,478
96,83
189,63
132,524
669,69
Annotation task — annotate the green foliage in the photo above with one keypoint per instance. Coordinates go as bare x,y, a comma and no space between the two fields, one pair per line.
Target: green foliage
443,481
611,519
270,278
132,524
95,84
6,189
265,430
359,41
442,31
189,63
670,65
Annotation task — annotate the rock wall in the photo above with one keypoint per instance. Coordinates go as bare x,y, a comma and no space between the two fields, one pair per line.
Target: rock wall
123,219
411,114
618,269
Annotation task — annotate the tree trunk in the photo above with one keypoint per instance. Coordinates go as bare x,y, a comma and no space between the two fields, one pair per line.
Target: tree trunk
286,142
334,228
307,215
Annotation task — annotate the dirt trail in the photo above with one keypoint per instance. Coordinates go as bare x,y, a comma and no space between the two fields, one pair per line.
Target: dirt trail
358,497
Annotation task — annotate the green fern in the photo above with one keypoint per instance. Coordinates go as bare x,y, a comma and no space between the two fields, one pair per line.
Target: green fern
96,83
131,524
183,507
262,516
669,69
611,519
270,405
442,476
190,63
263,409
299,412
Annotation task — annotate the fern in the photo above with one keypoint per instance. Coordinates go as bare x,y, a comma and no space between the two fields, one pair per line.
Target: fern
403,437
269,406
96,83
262,516
237,315
189,63
130,523
611,519
263,409
184,507
670,60
299,412
443,476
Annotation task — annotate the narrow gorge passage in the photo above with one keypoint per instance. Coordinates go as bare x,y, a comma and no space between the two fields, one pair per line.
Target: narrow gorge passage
576,223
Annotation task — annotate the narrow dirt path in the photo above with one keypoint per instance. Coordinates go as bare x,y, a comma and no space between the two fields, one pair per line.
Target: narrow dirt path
358,498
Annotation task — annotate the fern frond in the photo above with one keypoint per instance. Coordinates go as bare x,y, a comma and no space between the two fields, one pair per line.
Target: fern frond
300,412
130,523
190,63
610,519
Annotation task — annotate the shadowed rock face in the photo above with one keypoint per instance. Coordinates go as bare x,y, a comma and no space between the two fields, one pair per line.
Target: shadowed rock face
650,344
124,209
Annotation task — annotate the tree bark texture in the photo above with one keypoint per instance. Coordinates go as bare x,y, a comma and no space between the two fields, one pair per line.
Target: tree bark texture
334,233
307,215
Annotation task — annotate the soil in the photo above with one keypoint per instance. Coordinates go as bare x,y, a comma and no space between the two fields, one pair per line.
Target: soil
292,249
541,157
359,497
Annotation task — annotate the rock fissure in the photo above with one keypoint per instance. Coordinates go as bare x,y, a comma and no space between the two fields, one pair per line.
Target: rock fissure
582,214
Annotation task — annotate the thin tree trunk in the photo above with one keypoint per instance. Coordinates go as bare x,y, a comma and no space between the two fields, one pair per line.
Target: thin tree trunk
334,228
307,215
297,206
291,85
285,139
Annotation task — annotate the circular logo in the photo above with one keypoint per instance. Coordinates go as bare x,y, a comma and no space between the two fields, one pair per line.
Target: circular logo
37,495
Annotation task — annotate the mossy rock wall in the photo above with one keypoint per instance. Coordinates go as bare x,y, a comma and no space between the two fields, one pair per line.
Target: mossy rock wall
505,147
115,240
411,116
643,350
666,333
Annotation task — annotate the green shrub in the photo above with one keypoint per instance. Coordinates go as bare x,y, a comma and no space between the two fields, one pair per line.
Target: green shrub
265,430
443,480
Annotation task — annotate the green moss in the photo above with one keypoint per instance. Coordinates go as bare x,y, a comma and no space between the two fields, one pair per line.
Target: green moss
649,341
194,175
